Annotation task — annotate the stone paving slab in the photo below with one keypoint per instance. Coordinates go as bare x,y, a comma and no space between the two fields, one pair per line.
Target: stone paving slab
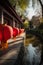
9,56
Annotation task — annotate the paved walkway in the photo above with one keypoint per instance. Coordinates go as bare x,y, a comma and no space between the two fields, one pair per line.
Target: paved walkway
10,55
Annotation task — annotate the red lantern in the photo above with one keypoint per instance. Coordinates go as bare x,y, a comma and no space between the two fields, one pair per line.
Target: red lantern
15,32
8,32
21,31
1,26
0,35
1,31
0,38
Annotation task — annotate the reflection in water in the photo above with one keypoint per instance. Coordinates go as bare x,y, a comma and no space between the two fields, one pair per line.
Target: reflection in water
32,54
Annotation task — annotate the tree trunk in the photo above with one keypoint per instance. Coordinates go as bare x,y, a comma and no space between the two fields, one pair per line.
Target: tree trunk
42,12
41,62
41,7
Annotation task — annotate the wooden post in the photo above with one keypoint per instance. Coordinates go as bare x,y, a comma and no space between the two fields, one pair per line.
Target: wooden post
20,26
13,23
2,18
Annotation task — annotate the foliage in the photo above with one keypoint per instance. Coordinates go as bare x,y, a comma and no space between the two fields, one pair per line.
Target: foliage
40,29
41,26
13,2
22,3
26,24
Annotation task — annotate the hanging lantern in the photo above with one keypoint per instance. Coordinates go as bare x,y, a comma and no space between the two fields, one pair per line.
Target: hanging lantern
0,35
1,31
8,32
15,32
21,31
1,27
18,31
0,38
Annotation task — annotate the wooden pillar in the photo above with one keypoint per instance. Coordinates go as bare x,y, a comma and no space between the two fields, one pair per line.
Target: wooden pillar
2,18
13,22
19,25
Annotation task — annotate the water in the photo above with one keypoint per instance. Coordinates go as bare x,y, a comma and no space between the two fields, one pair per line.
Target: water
32,55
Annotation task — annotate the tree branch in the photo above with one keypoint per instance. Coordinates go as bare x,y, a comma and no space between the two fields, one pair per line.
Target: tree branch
40,2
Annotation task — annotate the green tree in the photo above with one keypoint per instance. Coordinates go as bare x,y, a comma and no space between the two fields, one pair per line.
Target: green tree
22,3
26,24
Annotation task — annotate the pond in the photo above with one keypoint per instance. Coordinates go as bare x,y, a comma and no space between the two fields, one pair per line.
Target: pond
32,54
